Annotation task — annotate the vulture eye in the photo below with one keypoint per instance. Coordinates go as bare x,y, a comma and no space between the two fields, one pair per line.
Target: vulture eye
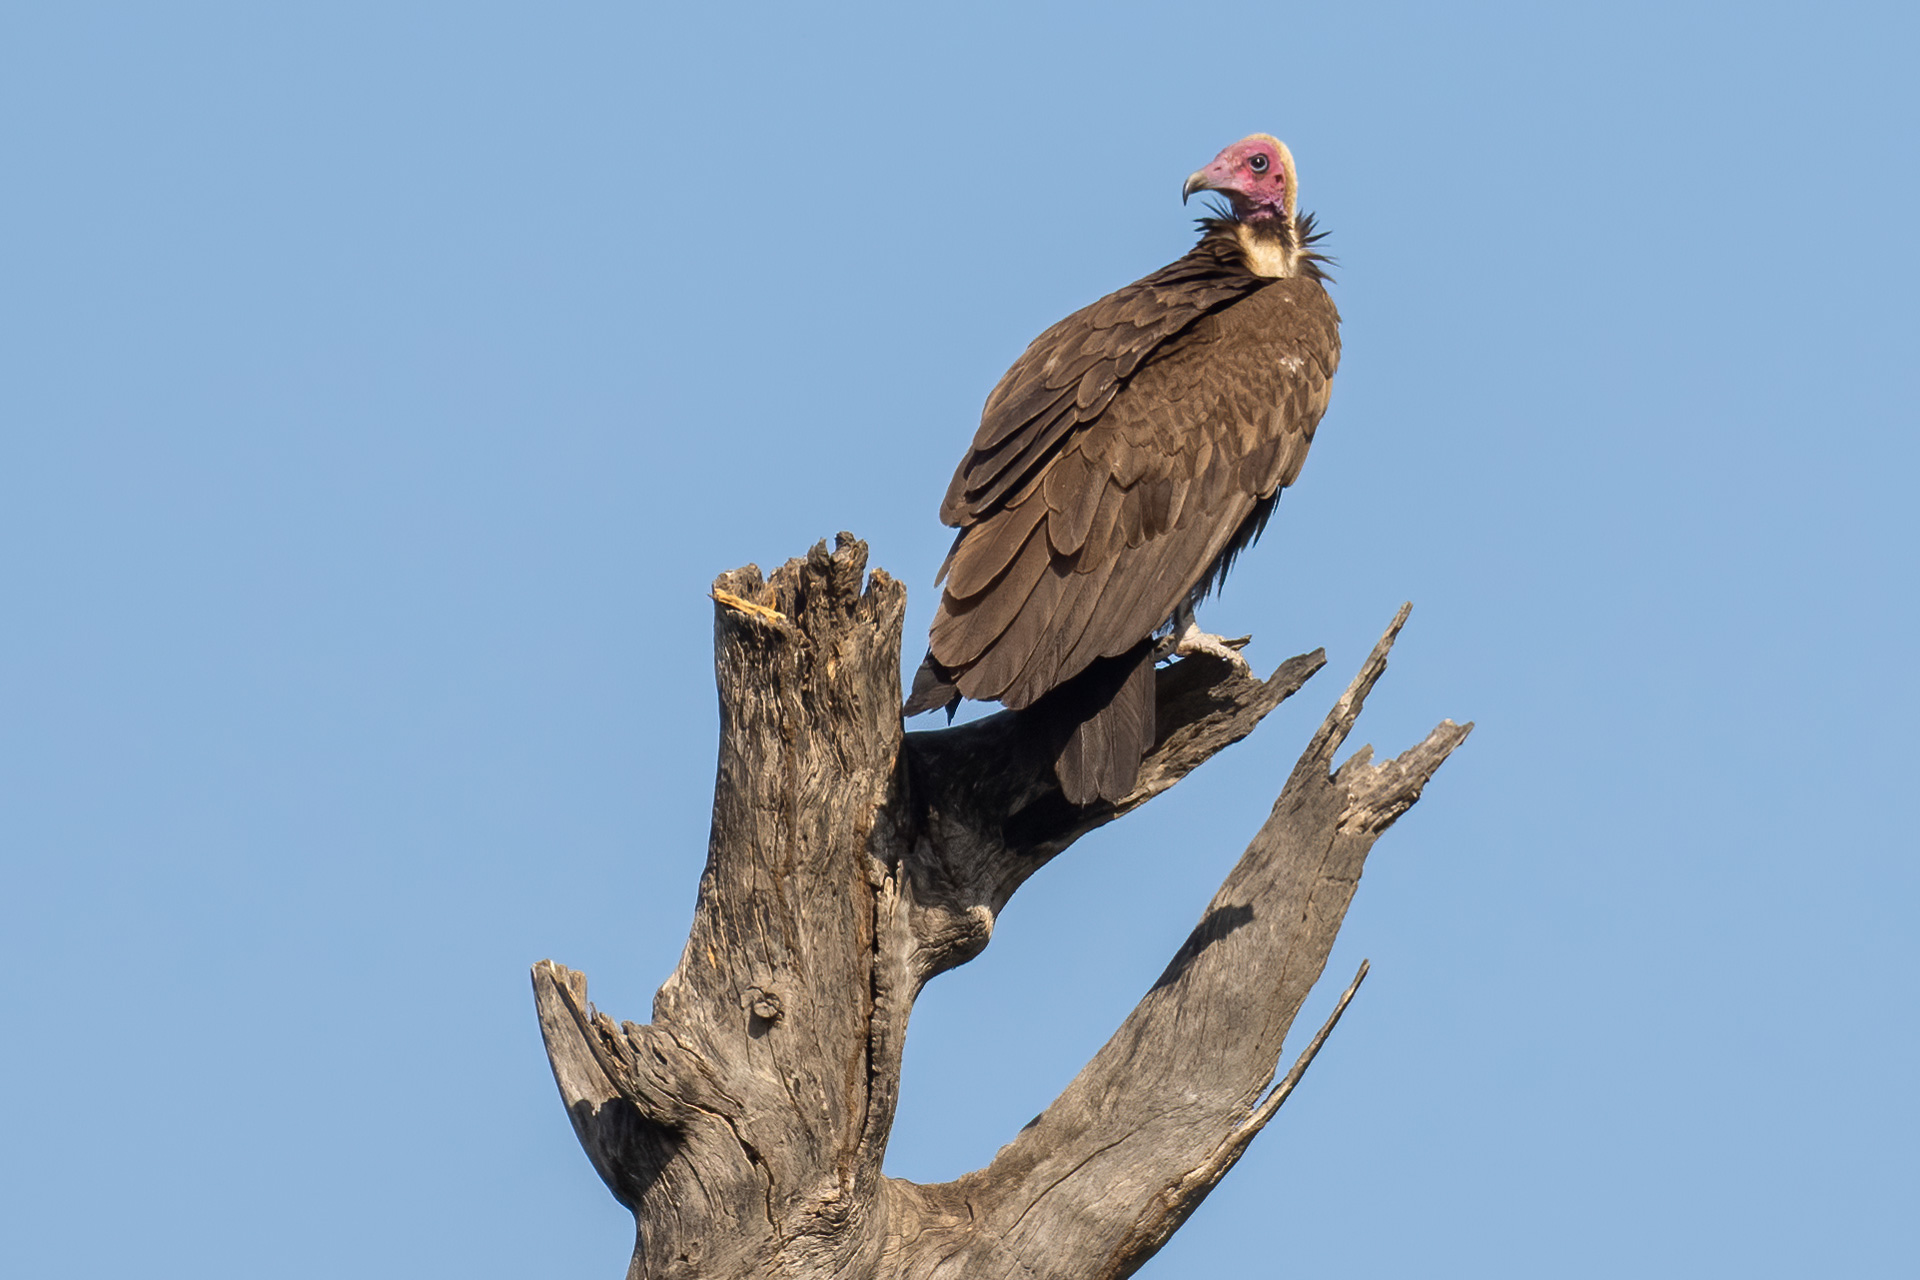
1258,164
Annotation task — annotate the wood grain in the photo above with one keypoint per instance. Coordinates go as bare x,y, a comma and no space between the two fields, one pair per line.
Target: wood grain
848,864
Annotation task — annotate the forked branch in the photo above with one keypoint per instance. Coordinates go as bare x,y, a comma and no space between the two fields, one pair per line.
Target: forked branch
849,863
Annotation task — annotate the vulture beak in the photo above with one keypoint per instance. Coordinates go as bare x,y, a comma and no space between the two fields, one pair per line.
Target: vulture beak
1196,181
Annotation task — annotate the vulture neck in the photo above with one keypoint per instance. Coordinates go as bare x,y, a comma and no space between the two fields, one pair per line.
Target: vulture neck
1270,247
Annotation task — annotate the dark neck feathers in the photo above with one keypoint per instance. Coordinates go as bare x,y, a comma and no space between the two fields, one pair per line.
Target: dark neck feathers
1276,247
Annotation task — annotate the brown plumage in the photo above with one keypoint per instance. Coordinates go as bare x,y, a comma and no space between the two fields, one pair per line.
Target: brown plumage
1122,462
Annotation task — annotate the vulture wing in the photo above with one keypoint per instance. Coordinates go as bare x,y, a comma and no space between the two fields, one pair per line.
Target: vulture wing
1068,375
1133,449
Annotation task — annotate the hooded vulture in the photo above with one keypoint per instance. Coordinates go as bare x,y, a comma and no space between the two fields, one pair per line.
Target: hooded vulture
1121,464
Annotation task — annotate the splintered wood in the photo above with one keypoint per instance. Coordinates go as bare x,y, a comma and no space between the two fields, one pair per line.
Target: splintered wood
849,863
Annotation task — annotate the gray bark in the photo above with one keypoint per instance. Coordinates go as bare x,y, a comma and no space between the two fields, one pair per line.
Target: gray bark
849,863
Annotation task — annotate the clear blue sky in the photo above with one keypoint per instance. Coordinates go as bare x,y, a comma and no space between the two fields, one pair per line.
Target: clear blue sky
383,384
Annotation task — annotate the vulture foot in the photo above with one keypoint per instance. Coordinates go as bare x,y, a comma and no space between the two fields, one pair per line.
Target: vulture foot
1187,640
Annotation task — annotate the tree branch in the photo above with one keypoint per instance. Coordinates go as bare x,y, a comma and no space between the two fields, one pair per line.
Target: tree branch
848,863
986,810
1148,1127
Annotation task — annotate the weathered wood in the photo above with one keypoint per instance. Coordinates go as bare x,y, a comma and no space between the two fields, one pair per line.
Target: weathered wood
849,863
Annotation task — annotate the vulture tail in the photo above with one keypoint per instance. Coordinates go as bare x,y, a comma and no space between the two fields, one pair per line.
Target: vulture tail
1097,726
1104,719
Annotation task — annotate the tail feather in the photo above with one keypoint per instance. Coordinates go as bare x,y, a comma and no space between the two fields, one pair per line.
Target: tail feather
1106,715
1097,726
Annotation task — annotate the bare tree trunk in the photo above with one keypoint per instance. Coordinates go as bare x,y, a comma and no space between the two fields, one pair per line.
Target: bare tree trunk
848,864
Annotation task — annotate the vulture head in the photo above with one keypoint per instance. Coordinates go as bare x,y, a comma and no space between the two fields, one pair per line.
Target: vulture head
1256,176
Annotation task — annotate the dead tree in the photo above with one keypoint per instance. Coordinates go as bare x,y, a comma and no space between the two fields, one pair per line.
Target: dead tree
849,863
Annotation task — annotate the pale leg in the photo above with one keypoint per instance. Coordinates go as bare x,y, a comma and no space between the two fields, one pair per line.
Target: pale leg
1188,639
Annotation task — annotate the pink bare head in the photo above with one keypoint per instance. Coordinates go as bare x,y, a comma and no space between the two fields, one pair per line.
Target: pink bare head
1256,176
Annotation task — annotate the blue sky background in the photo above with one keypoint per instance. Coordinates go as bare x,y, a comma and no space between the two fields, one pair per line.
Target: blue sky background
382,386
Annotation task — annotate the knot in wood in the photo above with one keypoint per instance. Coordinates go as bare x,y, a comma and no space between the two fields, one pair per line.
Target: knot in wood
764,1005
951,936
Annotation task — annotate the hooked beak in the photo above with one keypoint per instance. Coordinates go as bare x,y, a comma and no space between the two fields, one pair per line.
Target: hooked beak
1196,181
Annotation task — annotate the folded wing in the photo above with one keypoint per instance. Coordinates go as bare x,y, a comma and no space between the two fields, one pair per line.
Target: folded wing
1133,449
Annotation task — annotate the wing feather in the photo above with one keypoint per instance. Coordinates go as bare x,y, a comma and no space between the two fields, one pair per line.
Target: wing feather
1028,636
988,549
1086,357
964,631
1099,526
1073,491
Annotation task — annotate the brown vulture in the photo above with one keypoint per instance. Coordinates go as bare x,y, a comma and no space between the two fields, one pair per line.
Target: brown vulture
1122,463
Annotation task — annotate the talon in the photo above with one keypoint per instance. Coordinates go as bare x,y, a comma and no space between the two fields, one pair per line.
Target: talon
1188,640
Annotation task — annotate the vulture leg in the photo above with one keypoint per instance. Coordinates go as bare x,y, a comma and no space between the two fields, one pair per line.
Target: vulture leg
1187,639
